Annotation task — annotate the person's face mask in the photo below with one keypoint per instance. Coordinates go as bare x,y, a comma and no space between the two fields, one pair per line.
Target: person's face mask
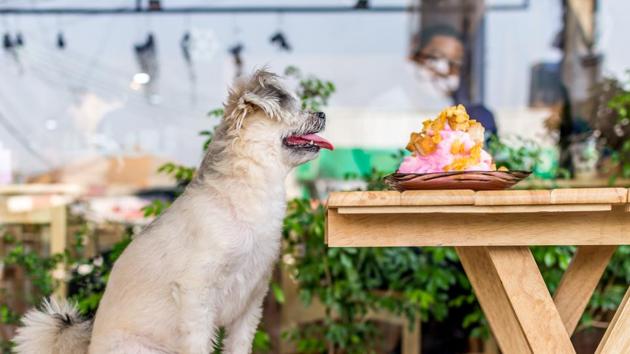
448,84
445,84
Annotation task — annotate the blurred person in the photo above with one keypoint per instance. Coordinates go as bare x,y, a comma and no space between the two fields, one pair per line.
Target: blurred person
437,59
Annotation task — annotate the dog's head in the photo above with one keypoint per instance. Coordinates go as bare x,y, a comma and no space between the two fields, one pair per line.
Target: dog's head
269,124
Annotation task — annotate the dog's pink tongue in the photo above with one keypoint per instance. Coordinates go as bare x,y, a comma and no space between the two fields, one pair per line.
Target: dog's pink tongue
318,140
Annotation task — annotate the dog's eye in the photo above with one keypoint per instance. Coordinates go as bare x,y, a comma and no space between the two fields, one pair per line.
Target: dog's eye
282,98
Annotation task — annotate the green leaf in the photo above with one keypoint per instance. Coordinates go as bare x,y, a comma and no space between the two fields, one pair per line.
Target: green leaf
550,259
218,113
262,342
278,293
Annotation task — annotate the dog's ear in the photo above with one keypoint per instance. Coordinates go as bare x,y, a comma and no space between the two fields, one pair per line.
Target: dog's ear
262,91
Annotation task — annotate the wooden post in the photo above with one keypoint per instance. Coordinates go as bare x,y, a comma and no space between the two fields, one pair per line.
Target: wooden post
58,237
411,339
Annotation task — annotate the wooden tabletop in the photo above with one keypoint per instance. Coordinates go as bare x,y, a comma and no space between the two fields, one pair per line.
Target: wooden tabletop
588,216
481,198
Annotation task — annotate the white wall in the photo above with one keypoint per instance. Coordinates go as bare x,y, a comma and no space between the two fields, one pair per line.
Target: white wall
613,36
515,41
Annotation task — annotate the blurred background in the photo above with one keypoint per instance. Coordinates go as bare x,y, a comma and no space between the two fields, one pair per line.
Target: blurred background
106,106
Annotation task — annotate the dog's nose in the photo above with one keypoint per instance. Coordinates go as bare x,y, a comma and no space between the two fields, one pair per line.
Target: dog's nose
321,115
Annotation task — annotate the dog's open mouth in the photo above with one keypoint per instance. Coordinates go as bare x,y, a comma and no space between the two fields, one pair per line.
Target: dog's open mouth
307,142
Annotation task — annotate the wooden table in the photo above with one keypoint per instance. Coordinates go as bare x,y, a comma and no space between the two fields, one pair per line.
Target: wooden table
491,232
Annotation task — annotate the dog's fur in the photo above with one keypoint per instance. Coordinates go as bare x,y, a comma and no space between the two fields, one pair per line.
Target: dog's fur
206,261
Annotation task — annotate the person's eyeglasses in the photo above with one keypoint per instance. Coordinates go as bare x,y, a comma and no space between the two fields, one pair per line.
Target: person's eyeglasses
441,65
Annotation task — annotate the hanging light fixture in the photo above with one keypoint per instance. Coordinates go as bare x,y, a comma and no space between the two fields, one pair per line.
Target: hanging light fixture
146,56
19,40
141,78
11,46
362,5
280,40
7,42
61,41
236,52
185,44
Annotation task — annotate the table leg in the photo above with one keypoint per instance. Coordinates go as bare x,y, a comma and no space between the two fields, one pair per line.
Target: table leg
579,282
515,300
58,237
411,340
617,337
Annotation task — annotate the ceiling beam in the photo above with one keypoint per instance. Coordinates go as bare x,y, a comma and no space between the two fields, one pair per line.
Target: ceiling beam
523,5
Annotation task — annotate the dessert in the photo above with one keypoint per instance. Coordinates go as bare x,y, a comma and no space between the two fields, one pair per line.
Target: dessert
450,142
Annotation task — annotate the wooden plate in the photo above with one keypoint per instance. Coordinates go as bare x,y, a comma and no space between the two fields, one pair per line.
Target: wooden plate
475,180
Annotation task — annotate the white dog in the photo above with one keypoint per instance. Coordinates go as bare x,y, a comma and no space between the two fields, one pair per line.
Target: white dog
205,262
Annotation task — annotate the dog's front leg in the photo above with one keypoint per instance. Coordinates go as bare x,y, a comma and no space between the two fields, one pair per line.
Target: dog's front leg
240,333
197,319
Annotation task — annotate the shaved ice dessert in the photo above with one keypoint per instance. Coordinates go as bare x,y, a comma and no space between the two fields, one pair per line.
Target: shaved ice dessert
450,142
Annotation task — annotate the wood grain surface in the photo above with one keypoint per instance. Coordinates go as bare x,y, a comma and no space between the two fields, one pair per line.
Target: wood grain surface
509,197
447,197
470,209
369,198
481,198
617,337
514,297
445,229
589,195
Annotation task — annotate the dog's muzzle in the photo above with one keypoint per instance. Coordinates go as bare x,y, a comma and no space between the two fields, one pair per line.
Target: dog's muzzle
310,140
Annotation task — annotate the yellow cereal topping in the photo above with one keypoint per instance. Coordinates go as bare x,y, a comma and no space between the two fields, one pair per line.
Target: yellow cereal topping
457,147
426,141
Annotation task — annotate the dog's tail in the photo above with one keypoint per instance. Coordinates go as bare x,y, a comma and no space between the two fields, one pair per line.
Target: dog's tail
55,329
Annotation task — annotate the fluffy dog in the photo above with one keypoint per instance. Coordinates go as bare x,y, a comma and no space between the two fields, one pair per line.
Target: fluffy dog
207,260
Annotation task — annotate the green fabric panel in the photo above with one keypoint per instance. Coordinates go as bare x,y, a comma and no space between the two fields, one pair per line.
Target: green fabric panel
342,162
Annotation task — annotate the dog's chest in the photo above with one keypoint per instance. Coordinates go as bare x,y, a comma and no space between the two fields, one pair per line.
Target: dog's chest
246,274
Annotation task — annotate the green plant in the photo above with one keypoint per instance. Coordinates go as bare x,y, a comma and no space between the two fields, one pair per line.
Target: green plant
38,269
89,276
610,119
515,153
620,105
313,92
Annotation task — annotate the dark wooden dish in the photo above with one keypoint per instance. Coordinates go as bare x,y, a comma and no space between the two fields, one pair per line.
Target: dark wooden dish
475,180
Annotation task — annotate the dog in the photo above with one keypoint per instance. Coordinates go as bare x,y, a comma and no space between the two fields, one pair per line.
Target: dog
206,261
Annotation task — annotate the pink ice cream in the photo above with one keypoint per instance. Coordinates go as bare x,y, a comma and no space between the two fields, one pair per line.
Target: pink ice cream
438,160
